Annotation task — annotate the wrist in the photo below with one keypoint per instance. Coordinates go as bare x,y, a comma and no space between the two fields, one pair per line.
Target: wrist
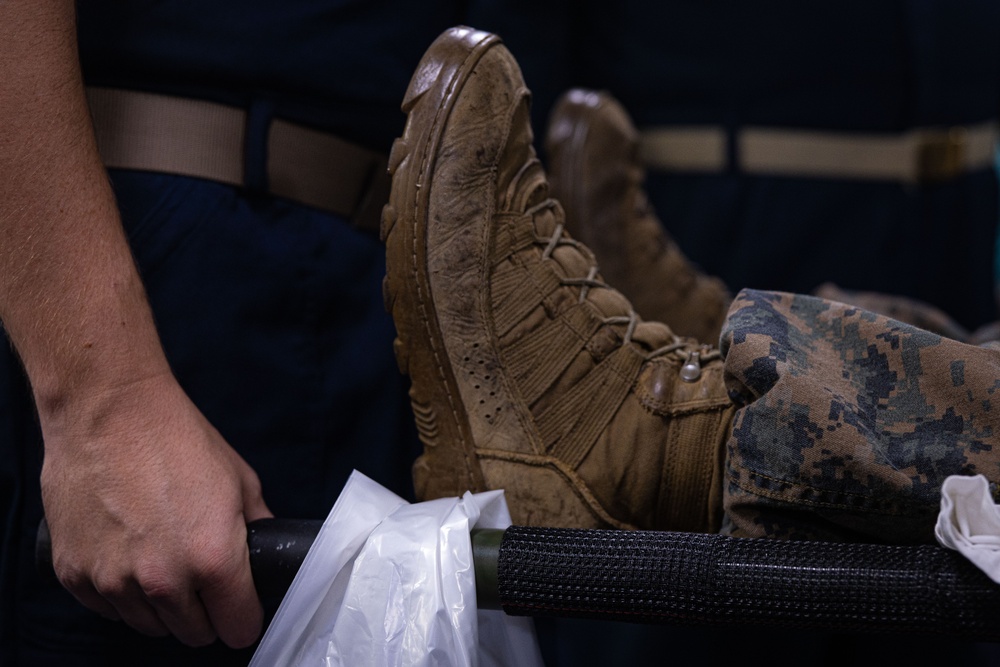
86,336
97,401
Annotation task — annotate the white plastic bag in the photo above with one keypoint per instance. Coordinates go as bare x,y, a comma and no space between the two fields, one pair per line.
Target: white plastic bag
390,583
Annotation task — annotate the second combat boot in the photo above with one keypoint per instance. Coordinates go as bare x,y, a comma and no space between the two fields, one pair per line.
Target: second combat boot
528,372
595,171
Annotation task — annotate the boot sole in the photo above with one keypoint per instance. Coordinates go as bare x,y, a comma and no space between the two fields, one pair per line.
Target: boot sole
428,102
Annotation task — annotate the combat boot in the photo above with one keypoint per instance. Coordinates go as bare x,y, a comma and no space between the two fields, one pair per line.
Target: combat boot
528,372
596,173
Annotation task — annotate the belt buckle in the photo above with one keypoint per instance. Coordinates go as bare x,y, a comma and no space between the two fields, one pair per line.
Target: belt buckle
941,155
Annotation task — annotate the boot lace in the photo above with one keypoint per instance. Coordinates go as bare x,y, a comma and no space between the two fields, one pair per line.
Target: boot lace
687,350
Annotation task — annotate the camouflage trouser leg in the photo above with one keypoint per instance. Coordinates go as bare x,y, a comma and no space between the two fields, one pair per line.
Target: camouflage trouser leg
850,421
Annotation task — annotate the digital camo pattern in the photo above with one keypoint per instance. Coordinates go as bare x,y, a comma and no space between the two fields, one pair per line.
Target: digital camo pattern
850,421
902,308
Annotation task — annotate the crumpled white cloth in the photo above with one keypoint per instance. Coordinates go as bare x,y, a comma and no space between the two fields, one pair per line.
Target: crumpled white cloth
969,522
390,583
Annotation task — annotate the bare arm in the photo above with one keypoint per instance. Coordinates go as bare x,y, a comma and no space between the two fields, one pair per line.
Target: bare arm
129,461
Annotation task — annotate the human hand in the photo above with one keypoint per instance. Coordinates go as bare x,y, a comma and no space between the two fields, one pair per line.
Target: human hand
147,506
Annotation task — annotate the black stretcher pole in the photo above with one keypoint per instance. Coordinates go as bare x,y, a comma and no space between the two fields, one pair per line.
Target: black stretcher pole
691,579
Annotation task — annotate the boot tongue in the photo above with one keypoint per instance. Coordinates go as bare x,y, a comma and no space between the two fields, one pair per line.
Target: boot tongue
648,335
653,335
576,263
522,185
609,302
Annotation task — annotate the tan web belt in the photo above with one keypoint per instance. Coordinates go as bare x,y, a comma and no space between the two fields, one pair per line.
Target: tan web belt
189,137
920,156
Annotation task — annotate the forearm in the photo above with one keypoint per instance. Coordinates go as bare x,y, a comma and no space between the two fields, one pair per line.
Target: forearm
70,297
128,458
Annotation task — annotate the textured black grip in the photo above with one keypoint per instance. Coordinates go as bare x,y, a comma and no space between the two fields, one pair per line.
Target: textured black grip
693,579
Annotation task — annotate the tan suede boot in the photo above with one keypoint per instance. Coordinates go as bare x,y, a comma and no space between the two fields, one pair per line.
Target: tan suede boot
594,169
528,372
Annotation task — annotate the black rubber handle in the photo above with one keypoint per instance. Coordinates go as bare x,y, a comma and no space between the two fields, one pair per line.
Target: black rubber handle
277,549
710,580
690,579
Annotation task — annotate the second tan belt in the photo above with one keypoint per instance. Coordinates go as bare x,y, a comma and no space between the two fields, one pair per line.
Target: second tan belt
925,155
